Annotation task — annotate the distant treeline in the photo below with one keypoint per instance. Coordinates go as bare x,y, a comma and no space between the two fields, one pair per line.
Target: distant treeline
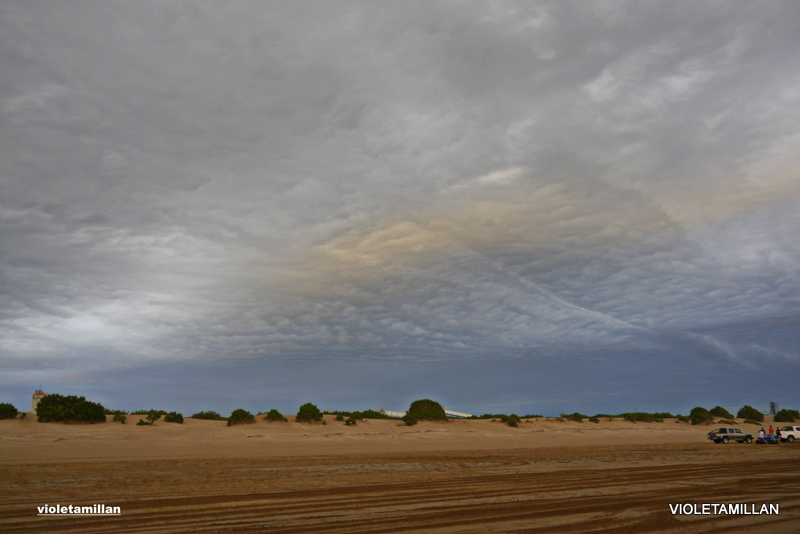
71,408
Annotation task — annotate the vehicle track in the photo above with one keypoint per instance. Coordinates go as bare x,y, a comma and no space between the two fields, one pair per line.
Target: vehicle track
442,493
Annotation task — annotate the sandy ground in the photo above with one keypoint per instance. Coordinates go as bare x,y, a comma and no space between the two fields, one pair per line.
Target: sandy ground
381,476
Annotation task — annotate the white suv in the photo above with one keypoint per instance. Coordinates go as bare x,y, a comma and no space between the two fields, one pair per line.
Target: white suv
790,433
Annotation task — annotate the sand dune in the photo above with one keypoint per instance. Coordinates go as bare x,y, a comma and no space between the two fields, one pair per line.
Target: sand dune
380,476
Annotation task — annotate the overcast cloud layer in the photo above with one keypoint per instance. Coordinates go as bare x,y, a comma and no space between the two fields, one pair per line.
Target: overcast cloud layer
530,207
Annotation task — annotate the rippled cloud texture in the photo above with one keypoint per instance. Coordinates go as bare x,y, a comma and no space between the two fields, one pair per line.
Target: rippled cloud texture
506,206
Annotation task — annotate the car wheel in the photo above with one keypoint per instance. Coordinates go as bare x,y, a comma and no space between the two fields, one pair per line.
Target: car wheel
748,439
725,439
790,439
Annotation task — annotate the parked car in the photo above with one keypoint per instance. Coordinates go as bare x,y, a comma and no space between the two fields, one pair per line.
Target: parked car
790,433
724,435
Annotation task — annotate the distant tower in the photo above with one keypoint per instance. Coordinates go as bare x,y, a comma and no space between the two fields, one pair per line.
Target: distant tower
37,396
773,408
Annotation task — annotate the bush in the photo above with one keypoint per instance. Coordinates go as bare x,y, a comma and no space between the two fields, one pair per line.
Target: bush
121,418
308,413
57,407
511,420
751,422
339,417
594,419
786,416
748,412
173,417
577,417
274,416
700,415
8,411
149,412
210,416
424,410
240,416
719,411
152,417
350,421
642,417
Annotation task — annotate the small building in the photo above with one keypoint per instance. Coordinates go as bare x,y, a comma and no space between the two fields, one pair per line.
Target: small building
37,396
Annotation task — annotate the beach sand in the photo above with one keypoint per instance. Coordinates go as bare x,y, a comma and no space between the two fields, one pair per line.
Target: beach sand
465,476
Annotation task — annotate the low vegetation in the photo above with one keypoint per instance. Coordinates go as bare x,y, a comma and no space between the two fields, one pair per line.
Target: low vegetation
719,411
359,416
152,417
700,415
121,418
209,416
240,417
173,417
148,412
274,416
424,410
70,408
308,413
748,412
8,411
787,416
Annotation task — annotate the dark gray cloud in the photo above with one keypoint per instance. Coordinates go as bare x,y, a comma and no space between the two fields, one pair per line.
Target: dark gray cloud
542,204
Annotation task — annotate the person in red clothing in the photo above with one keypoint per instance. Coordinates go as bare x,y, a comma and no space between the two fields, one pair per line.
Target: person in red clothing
771,430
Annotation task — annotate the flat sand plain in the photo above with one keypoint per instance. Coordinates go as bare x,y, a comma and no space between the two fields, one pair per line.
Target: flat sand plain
465,476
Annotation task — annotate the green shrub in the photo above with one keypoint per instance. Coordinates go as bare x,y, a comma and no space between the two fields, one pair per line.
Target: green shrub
210,416
240,416
786,416
308,413
152,417
642,417
511,420
274,416
339,417
57,407
350,421
699,418
424,410
594,419
149,412
748,412
719,411
8,411
700,415
173,417
577,417
751,422
121,418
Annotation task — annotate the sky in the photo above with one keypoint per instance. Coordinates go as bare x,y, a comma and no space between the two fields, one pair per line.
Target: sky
507,207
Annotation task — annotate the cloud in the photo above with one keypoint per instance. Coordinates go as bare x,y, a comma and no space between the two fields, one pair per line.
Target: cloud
558,186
